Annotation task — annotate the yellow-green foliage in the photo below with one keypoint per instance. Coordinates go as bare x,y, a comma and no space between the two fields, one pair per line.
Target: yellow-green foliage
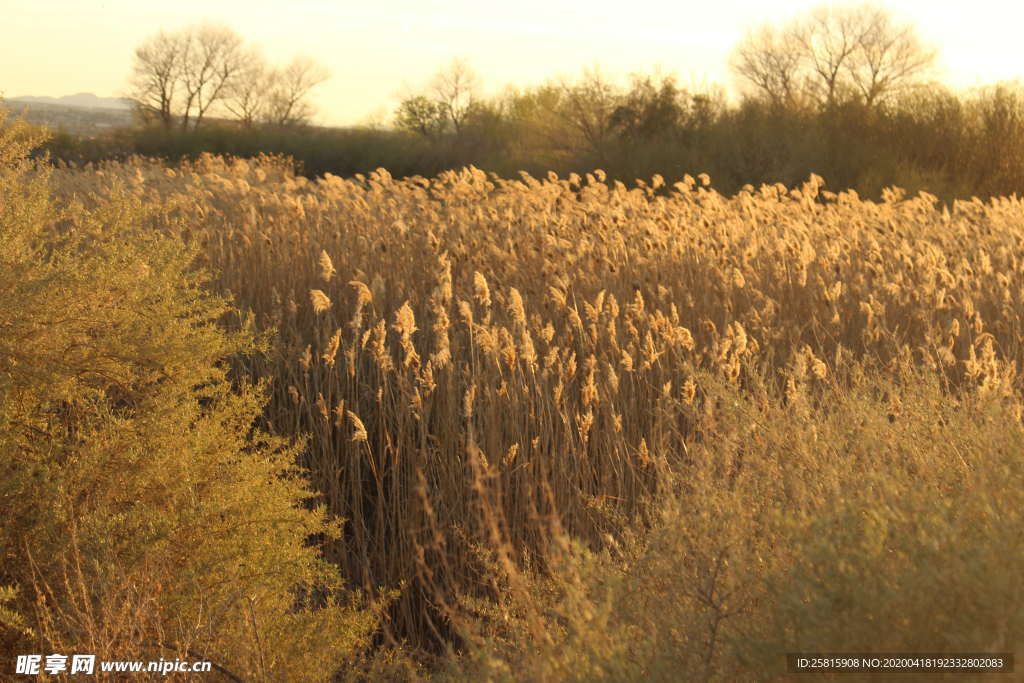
143,514
600,431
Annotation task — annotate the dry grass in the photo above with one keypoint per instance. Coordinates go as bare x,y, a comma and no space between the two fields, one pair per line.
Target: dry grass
486,364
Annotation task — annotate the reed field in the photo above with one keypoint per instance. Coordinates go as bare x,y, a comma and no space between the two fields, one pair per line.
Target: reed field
553,428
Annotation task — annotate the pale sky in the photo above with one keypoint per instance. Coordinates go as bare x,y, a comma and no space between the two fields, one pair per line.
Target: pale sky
378,49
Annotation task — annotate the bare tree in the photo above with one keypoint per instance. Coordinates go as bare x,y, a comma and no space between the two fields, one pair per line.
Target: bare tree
246,96
890,57
834,53
455,89
829,38
213,58
185,73
771,60
287,97
155,76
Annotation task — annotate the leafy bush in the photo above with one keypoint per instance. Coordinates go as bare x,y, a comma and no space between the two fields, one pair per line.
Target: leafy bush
144,515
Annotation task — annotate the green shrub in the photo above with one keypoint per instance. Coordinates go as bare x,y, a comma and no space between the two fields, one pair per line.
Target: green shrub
144,515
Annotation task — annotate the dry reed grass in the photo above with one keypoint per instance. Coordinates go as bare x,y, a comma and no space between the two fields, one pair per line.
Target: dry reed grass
503,358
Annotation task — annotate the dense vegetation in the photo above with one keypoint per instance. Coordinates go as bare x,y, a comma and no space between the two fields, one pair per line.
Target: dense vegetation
954,146
845,91
143,515
562,429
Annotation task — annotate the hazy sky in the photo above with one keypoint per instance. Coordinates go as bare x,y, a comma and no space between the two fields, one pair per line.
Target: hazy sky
378,49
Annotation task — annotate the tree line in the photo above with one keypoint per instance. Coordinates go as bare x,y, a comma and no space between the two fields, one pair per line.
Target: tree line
848,93
831,58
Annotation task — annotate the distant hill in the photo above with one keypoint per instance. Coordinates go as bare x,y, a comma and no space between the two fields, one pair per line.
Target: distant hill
59,114
83,99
